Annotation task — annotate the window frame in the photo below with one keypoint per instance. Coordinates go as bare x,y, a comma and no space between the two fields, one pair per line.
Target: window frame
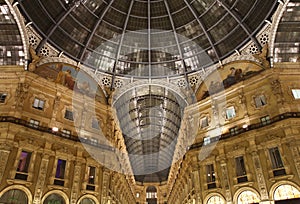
38,103
27,162
229,115
204,123
263,102
3,97
95,124
34,123
265,120
64,165
296,94
277,163
69,115
66,133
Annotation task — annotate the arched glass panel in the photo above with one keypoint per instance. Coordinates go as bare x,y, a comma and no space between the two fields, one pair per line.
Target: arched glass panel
216,200
248,197
54,199
14,197
87,201
284,192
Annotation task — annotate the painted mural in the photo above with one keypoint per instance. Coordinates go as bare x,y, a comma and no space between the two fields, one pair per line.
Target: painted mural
70,77
227,76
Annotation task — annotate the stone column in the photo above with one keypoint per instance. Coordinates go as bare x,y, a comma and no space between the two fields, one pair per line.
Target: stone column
226,181
296,158
197,186
37,198
76,181
4,153
260,177
105,186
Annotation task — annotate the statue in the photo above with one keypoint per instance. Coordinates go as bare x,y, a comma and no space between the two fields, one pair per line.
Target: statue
262,56
34,59
109,92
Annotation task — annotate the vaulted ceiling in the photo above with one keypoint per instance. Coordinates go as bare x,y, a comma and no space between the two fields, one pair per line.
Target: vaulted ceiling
148,39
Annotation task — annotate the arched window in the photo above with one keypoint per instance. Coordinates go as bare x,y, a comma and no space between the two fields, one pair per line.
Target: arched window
248,197
216,200
285,192
54,199
14,196
151,195
87,201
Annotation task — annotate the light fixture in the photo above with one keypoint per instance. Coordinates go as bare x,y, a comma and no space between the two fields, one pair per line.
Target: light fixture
245,126
55,129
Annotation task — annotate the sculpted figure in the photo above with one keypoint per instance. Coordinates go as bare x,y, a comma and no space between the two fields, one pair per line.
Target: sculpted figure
34,59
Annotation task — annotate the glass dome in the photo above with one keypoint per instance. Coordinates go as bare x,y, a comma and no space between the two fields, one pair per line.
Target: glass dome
147,38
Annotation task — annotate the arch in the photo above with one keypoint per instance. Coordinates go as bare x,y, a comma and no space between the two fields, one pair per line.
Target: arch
58,192
18,187
275,24
151,195
245,194
214,198
285,187
22,28
90,197
160,83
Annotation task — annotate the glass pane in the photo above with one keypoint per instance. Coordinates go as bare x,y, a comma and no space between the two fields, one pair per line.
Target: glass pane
54,199
14,197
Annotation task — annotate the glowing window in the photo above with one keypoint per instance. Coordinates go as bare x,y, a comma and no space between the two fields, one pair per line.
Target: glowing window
216,200
296,93
284,192
34,123
14,196
24,160
65,133
248,197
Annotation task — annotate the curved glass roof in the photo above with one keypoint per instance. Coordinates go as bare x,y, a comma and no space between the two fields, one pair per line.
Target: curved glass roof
147,38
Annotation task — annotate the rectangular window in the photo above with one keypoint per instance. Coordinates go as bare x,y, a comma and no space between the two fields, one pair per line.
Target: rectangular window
210,172
34,123
277,164
24,160
233,130
240,166
60,169
230,112
275,158
204,122
296,93
260,101
2,97
38,104
265,120
95,124
210,176
65,133
69,115
92,174
94,141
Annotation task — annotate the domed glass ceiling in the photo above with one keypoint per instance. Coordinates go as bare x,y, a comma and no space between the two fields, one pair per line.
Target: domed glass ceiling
147,38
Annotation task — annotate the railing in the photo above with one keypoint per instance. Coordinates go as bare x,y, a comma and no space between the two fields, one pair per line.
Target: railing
241,130
14,120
